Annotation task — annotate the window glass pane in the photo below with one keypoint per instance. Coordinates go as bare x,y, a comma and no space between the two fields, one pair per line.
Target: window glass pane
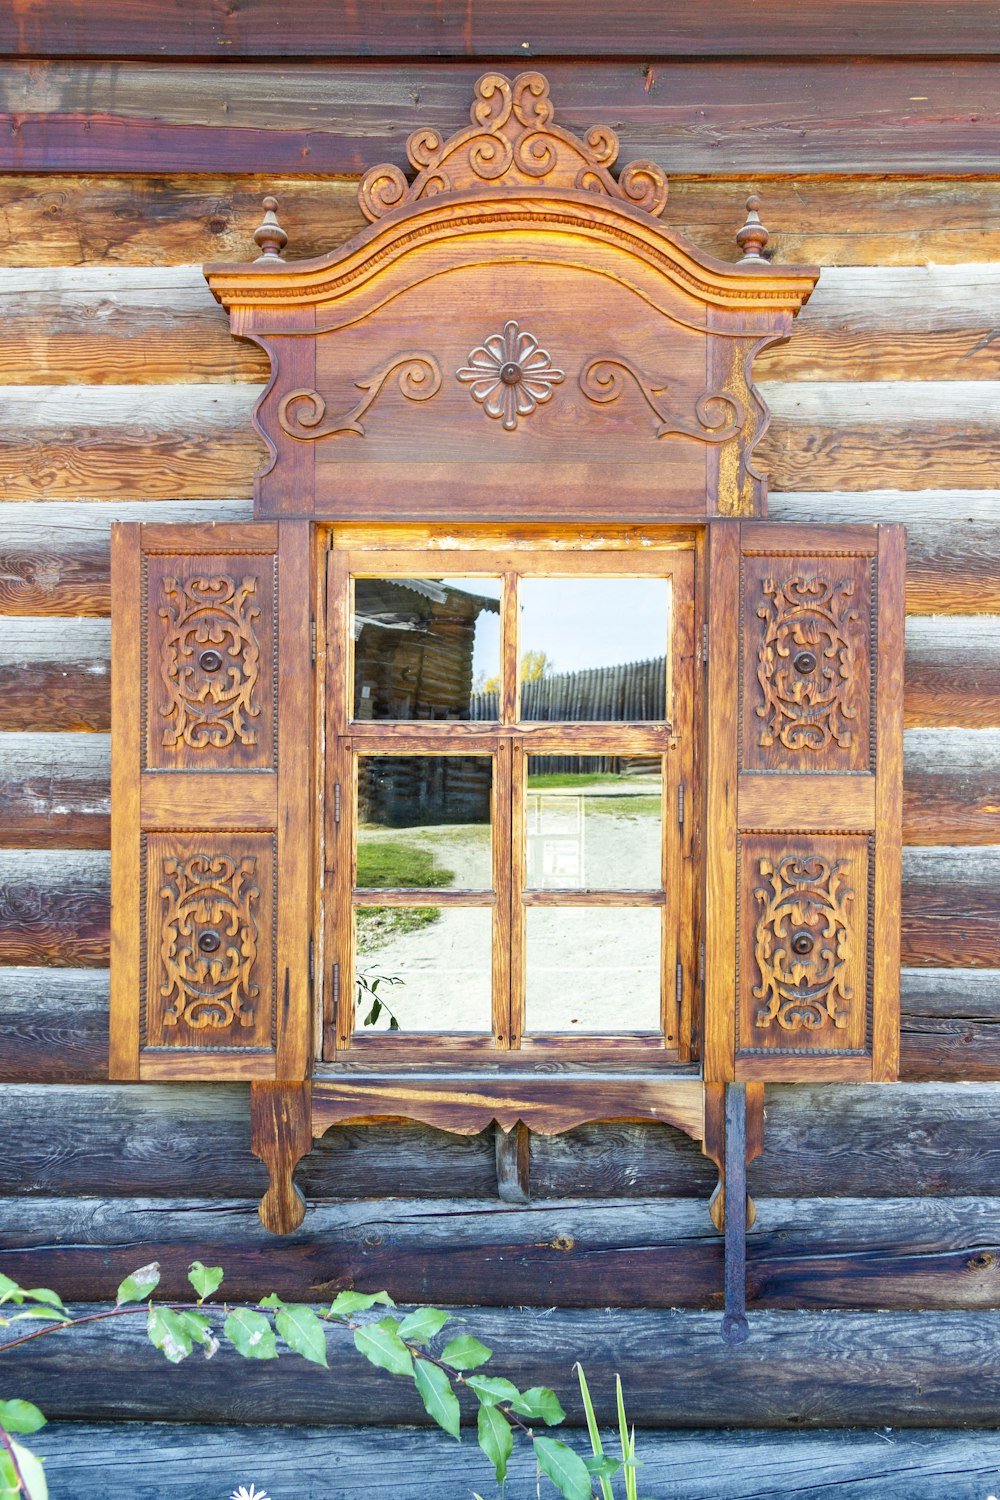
593,823
424,821
594,648
424,968
426,648
592,968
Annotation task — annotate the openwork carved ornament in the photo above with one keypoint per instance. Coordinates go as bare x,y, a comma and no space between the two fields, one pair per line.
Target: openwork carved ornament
210,662
719,416
512,141
509,375
801,943
807,663
302,412
209,940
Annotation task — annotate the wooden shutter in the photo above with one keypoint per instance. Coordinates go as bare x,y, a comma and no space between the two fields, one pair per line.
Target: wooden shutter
212,723
803,801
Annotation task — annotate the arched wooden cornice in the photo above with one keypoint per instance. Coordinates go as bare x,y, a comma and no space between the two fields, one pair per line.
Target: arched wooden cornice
625,350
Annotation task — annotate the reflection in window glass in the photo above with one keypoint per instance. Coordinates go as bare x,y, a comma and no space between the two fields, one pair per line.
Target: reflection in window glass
426,648
592,968
423,968
424,821
593,823
594,648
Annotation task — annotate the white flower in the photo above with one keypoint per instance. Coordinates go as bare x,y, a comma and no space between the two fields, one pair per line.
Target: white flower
249,1494
509,375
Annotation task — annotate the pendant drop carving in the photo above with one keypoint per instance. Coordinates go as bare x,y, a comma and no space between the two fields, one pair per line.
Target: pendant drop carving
801,943
210,662
209,941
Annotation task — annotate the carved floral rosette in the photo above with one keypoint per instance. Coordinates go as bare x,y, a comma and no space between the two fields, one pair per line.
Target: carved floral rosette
807,663
512,141
209,940
801,941
210,662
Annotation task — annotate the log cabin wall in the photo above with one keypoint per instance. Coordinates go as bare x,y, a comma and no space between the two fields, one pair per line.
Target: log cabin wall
138,140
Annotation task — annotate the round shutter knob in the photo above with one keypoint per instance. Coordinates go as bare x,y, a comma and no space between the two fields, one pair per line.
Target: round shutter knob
511,372
804,661
210,661
802,943
209,941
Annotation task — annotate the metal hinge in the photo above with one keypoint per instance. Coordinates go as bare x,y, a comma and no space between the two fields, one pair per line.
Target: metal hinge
701,969
313,640
680,984
312,969
680,807
336,803
704,642
336,994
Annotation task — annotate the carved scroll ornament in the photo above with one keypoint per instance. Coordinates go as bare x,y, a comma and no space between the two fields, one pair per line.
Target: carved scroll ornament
210,661
512,142
801,943
209,940
509,375
719,416
302,413
807,664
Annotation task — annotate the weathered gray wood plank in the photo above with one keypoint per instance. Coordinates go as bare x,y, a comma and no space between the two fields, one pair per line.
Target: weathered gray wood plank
799,1369
156,1462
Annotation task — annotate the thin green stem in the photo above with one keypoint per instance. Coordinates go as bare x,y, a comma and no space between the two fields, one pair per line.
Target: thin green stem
6,1442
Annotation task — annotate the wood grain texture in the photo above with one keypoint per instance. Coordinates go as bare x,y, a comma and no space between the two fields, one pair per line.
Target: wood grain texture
757,114
55,792
163,1140
373,1463
54,1024
907,1369
951,786
956,681
161,219
656,1252
411,28
950,1024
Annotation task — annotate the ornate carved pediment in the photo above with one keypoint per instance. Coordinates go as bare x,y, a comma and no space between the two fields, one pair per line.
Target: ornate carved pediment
512,143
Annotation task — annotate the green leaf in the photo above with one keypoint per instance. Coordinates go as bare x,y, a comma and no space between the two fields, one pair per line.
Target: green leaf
465,1353
205,1279
595,1438
383,1347
32,1473
201,1331
604,1467
346,1303
9,1289
169,1333
42,1294
51,1314
492,1389
423,1324
303,1332
496,1439
140,1285
250,1334
272,1300
20,1416
540,1405
9,1486
565,1468
437,1395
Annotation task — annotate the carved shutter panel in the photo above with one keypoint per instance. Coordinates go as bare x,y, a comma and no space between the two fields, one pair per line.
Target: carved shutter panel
803,801
211,782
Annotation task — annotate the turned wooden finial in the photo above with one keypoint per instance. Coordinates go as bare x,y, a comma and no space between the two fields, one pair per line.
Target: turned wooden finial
269,235
753,236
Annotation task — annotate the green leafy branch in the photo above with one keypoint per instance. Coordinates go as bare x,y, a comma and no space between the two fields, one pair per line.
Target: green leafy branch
401,1345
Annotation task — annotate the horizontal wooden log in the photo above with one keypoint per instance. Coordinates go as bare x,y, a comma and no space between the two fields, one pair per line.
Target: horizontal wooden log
952,540
914,435
113,1462
55,1025
188,1140
909,1253
906,1369
848,116
134,219
522,31
57,911
953,671
155,325
951,786
54,558
195,442
55,793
